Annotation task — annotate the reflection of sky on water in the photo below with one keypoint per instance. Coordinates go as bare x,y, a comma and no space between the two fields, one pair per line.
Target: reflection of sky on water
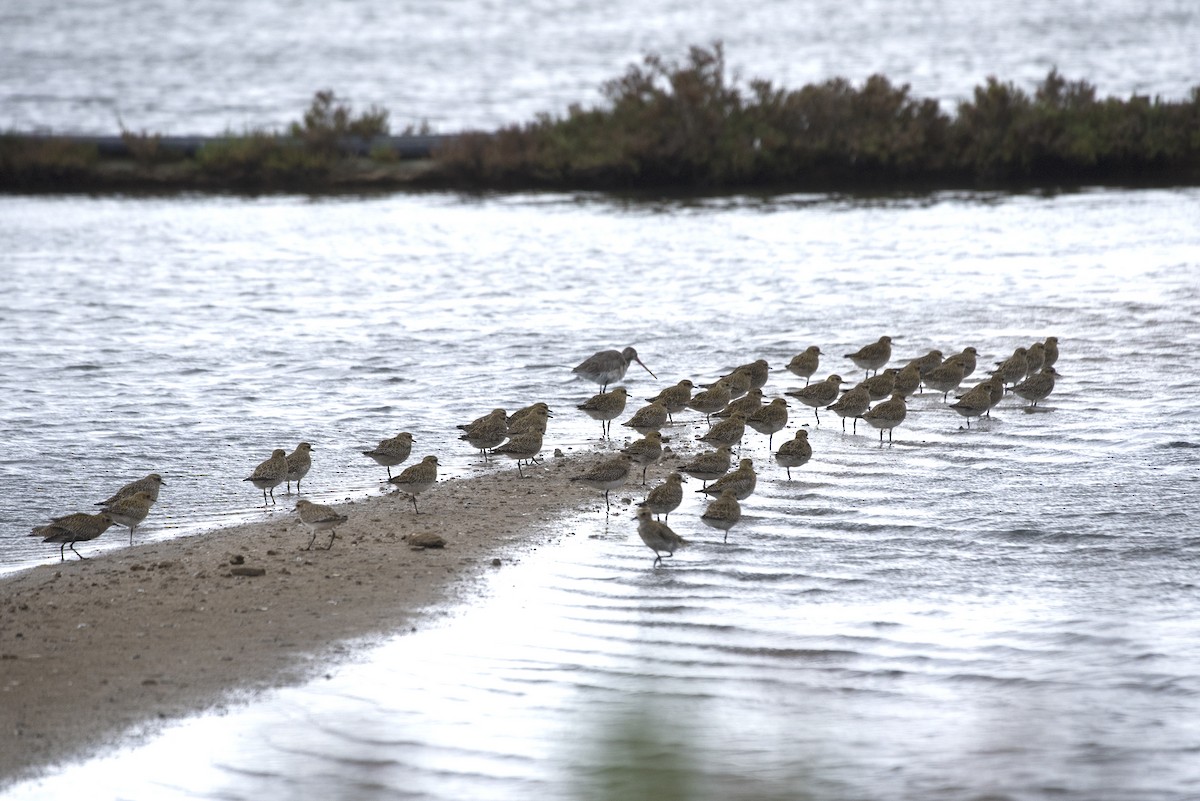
991,609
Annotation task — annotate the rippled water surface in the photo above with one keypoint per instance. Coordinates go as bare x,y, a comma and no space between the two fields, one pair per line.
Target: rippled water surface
1009,609
208,66
1005,612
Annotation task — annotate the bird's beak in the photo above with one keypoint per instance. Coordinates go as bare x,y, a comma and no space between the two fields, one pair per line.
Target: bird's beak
647,369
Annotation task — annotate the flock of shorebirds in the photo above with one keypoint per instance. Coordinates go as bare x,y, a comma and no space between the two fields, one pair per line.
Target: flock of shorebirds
735,399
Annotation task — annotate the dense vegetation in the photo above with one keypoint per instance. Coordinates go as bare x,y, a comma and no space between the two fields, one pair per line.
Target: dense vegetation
689,126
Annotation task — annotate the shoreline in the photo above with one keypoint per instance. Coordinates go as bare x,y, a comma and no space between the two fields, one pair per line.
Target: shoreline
103,652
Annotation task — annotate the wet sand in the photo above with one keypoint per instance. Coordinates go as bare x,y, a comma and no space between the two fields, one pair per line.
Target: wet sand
102,652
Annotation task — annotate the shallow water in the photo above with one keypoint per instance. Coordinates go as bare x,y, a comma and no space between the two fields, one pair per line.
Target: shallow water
1009,609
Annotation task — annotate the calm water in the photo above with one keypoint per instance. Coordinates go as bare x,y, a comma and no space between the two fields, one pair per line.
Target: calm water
207,66
1007,612
1010,609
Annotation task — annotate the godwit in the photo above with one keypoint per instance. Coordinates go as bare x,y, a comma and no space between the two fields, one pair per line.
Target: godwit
606,366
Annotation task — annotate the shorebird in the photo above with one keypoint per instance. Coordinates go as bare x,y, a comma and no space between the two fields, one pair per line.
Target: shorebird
769,419
524,447
539,411
805,363
645,451
488,419
975,402
1037,387
150,484
887,415
536,420
741,482
391,452
713,399
946,377
605,407
1035,357
853,403
416,479
746,405
487,432
723,513
881,385
1050,348
270,474
1013,369
649,418
819,394
995,386
759,371
969,358
738,382
299,462
908,379
709,466
607,475
675,398
726,432
130,510
924,364
658,536
795,452
666,497
606,366
872,357
70,529
319,517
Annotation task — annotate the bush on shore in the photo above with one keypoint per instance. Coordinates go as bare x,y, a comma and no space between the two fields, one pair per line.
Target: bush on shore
688,125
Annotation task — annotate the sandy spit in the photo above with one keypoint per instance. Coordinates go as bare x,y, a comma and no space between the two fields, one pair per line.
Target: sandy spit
105,651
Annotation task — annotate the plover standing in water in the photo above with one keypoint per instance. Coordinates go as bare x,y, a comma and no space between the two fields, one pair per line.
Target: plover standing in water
709,466
1037,387
853,403
270,474
605,407
658,536
675,398
391,452
130,510
887,415
741,482
649,418
805,363
666,497
795,452
73,528
150,484
819,394
872,357
723,513
769,419
299,462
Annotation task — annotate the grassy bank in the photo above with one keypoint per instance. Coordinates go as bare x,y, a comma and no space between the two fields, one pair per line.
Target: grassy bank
678,126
